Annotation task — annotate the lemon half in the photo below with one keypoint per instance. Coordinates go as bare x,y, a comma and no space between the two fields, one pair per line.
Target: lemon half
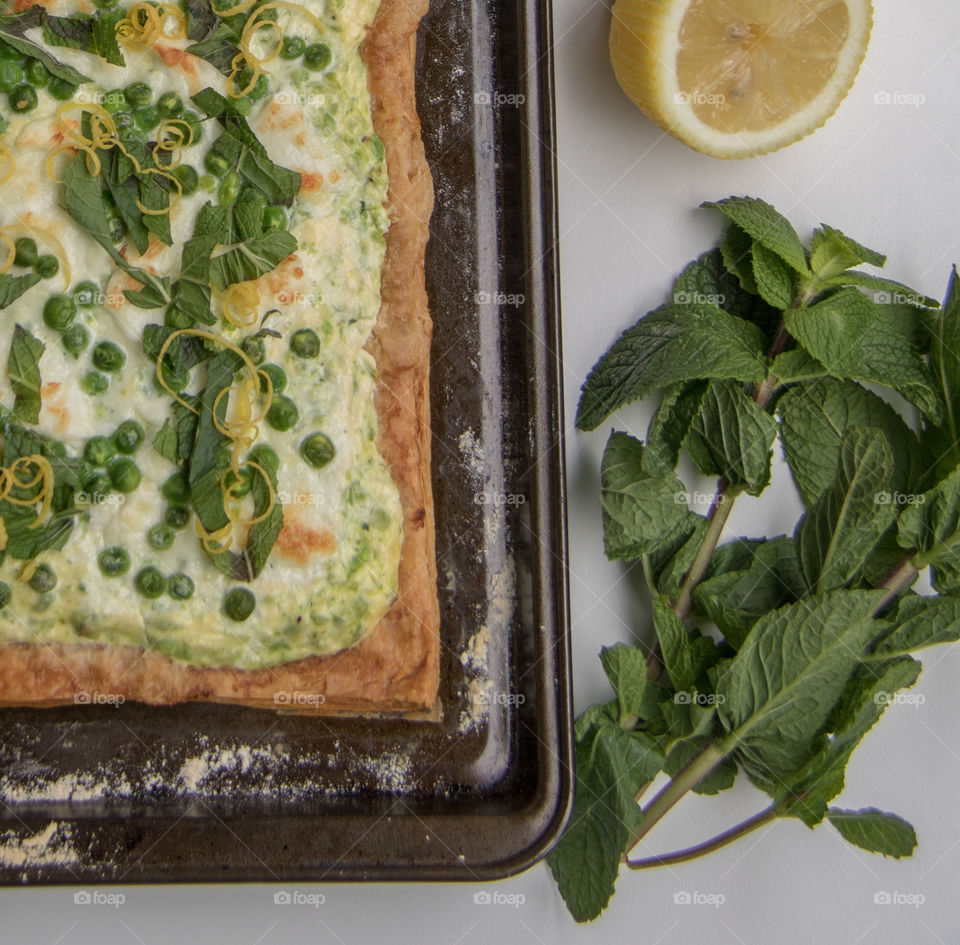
736,78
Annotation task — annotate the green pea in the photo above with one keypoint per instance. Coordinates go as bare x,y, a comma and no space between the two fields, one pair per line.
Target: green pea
161,536
282,413
22,98
229,189
318,450
75,339
147,118
97,488
46,266
274,218
317,56
36,73
188,177
209,183
293,47
99,450
138,94
239,604
260,88
240,487
265,457
277,375
10,75
5,594
114,561
43,579
108,356
61,89
104,4
305,343
216,163
117,228
180,586
58,312
128,436
8,52
169,104
94,382
124,474
176,488
177,516
86,294
115,101
25,251
150,582
254,349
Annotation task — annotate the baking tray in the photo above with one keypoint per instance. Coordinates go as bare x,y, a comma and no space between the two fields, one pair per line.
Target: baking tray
125,793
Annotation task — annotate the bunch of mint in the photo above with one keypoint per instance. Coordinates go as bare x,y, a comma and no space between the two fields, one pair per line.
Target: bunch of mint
762,340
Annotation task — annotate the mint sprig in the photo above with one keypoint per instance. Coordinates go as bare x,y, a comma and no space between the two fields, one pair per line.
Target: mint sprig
772,656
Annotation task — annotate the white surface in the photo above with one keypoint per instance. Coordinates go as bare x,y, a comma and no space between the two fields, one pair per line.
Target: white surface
887,175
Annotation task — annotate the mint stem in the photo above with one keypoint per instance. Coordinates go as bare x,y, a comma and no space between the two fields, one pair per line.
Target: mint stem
686,779
708,846
897,582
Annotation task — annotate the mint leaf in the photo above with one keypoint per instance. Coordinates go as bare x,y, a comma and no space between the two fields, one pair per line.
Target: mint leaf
708,279
740,588
671,344
670,563
874,830
921,622
774,278
251,258
849,335
626,668
669,425
23,368
944,440
731,436
806,793
611,765
736,251
931,525
783,683
889,291
95,34
686,655
813,421
12,287
12,30
796,365
848,519
641,509
832,253
766,226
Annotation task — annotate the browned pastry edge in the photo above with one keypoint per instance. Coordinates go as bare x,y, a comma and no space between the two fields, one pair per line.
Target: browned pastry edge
395,667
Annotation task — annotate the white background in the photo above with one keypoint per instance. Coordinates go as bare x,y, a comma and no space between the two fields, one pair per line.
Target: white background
886,175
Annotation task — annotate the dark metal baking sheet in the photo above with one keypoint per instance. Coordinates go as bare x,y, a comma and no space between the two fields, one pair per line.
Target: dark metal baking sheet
126,793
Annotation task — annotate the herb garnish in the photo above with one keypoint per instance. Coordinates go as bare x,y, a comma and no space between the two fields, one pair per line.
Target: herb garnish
23,367
765,339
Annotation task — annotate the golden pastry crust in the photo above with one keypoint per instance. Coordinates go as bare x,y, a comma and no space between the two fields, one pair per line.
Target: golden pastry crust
396,666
